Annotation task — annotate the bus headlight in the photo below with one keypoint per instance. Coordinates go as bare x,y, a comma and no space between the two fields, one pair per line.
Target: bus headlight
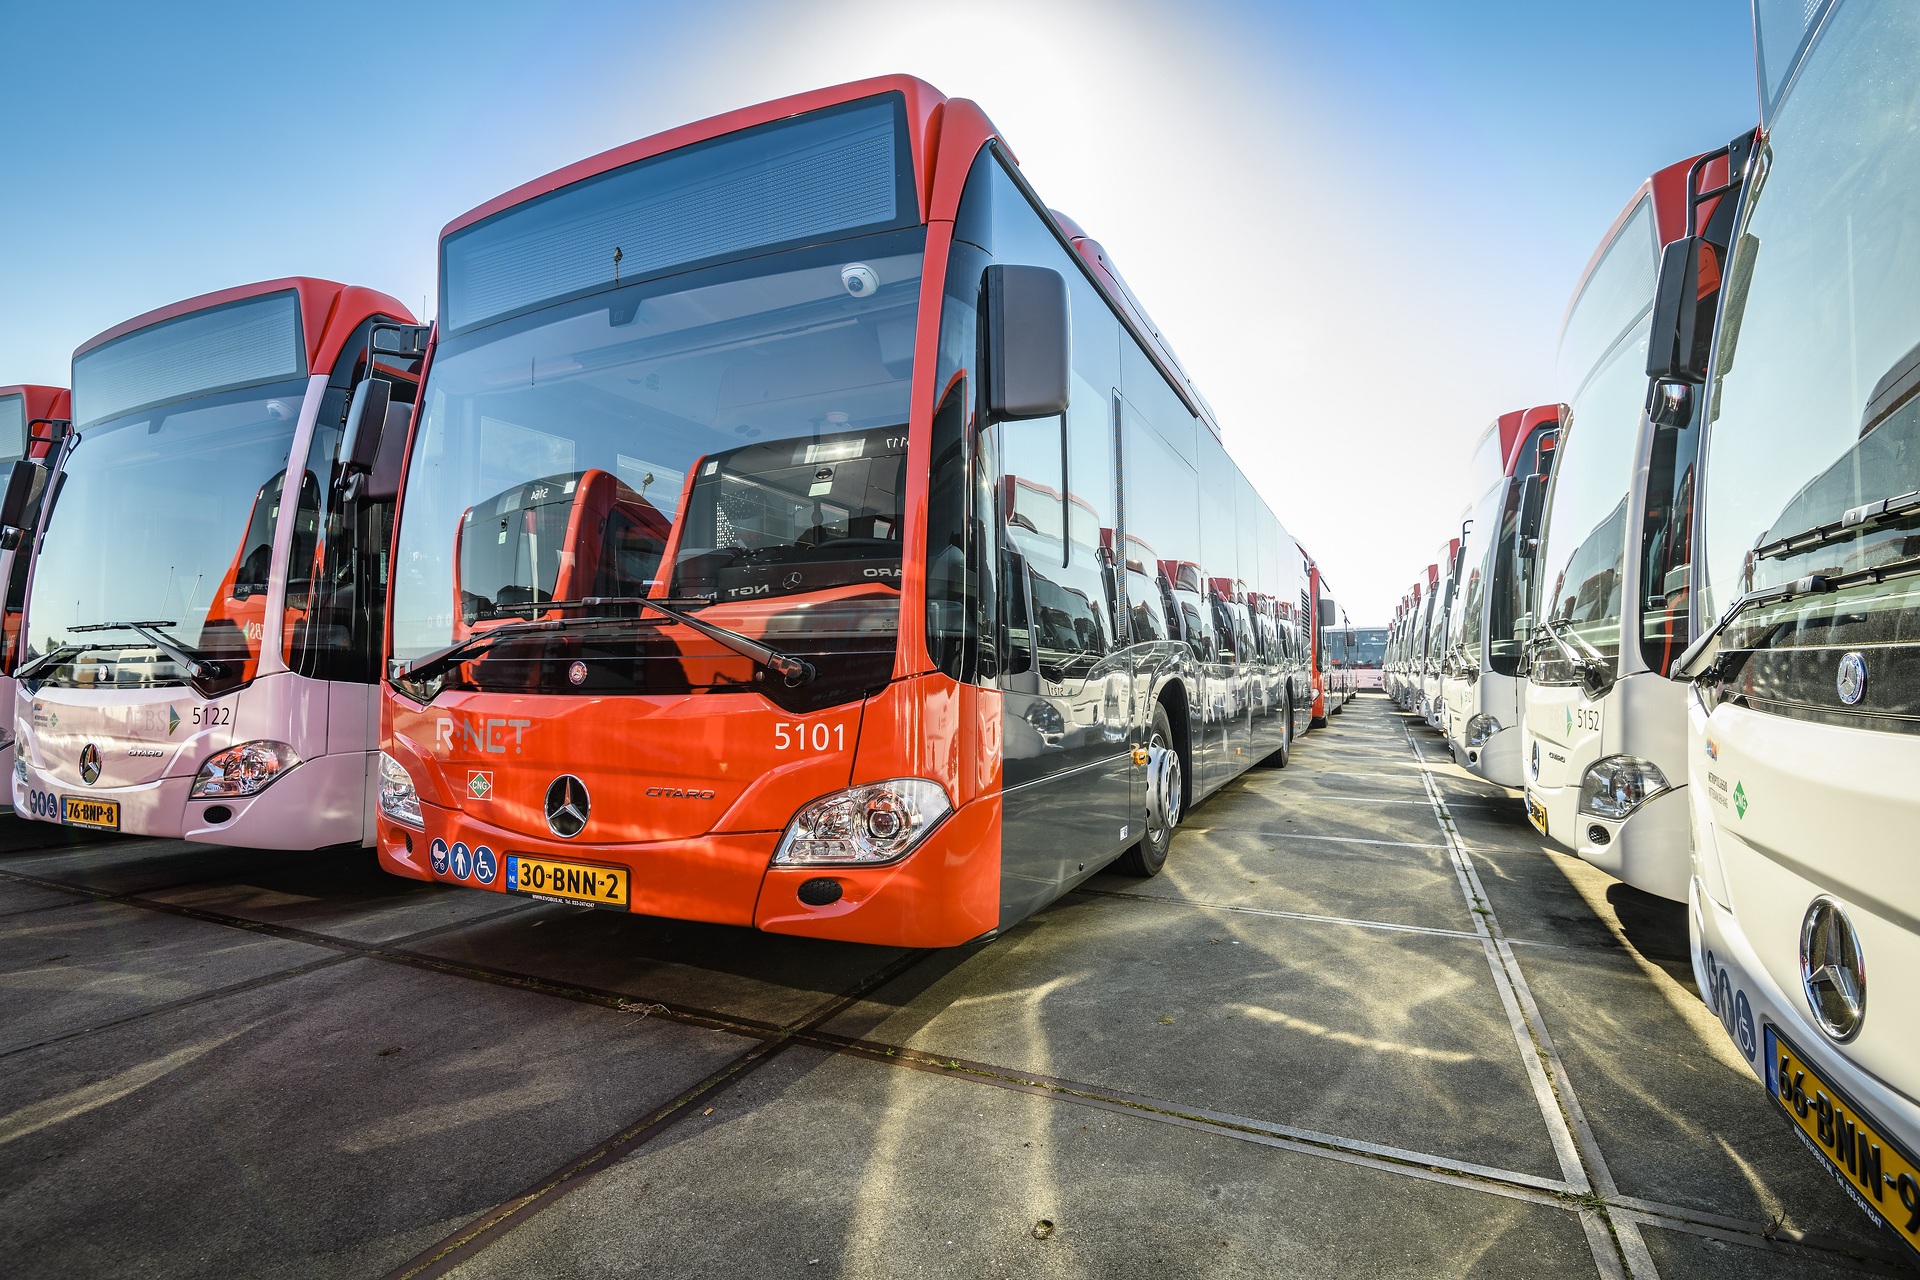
245,770
1481,729
398,799
1615,786
862,826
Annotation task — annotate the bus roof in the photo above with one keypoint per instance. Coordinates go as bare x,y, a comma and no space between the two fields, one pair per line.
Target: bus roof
937,126
321,301
42,402
1668,187
1524,421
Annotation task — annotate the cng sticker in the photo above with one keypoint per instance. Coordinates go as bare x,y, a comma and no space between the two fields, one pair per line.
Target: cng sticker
1740,799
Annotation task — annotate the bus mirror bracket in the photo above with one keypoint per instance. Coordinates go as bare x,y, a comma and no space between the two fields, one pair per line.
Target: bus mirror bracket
366,420
1029,342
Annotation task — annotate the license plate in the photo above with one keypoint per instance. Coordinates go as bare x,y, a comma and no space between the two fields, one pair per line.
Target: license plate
1536,814
567,881
79,811
1880,1176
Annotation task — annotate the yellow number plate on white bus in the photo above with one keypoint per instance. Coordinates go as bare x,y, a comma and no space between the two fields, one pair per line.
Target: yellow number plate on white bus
558,881
1536,814
1878,1173
79,811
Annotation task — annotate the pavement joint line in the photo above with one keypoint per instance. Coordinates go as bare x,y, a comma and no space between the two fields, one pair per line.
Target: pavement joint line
248,984
1794,1244
1573,1140
1289,835
45,906
488,1227
1372,800
622,1001
1202,904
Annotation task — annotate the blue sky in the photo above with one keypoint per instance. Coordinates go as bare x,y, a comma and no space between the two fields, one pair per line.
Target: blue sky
1359,223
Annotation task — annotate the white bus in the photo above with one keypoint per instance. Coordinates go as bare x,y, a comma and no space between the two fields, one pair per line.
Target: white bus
1804,711
1605,733
1491,619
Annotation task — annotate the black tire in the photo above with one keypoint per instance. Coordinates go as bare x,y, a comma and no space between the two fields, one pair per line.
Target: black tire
1164,762
1278,758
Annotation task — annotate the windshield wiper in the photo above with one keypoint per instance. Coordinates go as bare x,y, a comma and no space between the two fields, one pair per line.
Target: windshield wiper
1592,665
197,666
1689,665
1861,519
796,671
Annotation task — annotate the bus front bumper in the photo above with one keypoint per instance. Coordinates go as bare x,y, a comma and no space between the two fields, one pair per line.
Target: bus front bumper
1497,759
317,803
945,892
1742,994
1647,849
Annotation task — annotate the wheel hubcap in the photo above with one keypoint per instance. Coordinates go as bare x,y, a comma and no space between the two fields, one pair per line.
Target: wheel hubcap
1163,787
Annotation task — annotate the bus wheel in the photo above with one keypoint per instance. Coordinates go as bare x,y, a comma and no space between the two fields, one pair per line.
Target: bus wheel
1165,788
1278,758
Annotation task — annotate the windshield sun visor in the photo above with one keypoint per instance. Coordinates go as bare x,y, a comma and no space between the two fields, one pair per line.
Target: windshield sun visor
826,175
242,344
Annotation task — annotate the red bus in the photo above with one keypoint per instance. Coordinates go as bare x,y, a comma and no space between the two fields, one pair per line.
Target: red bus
32,420
805,528
205,611
1332,643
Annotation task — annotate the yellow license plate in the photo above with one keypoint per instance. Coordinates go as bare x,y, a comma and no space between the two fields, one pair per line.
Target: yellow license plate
79,811
567,881
1878,1174
1536,814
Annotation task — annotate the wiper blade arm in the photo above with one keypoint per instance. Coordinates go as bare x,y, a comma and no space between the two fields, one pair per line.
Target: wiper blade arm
431,663
1812,585
1854,520
796,671
197,665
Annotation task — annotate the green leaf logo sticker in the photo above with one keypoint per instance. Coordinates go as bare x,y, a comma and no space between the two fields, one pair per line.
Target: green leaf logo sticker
1740,799
173,721
1569,711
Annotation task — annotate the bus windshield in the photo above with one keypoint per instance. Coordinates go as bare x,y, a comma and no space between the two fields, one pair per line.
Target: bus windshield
1813,409
166,514
733,438
1369,646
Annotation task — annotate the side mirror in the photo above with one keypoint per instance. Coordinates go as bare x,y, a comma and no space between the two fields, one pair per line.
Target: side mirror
20,505
1533,499
382,483
1682,336
366,420
1029,343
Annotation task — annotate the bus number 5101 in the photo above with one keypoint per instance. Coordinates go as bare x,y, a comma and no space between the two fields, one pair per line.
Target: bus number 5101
817,737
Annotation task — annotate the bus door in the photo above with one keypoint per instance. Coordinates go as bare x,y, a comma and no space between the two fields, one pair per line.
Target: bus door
1064,675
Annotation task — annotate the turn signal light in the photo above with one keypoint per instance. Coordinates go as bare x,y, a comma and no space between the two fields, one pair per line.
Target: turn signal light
866,825
245,770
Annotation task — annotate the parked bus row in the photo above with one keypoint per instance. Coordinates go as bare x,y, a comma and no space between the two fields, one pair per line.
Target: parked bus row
1678,614
787,521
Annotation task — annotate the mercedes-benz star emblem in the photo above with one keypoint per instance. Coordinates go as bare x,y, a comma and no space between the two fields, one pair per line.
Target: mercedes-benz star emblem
792,580
89,764
567,806
1832,970
1852,680
1536,762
